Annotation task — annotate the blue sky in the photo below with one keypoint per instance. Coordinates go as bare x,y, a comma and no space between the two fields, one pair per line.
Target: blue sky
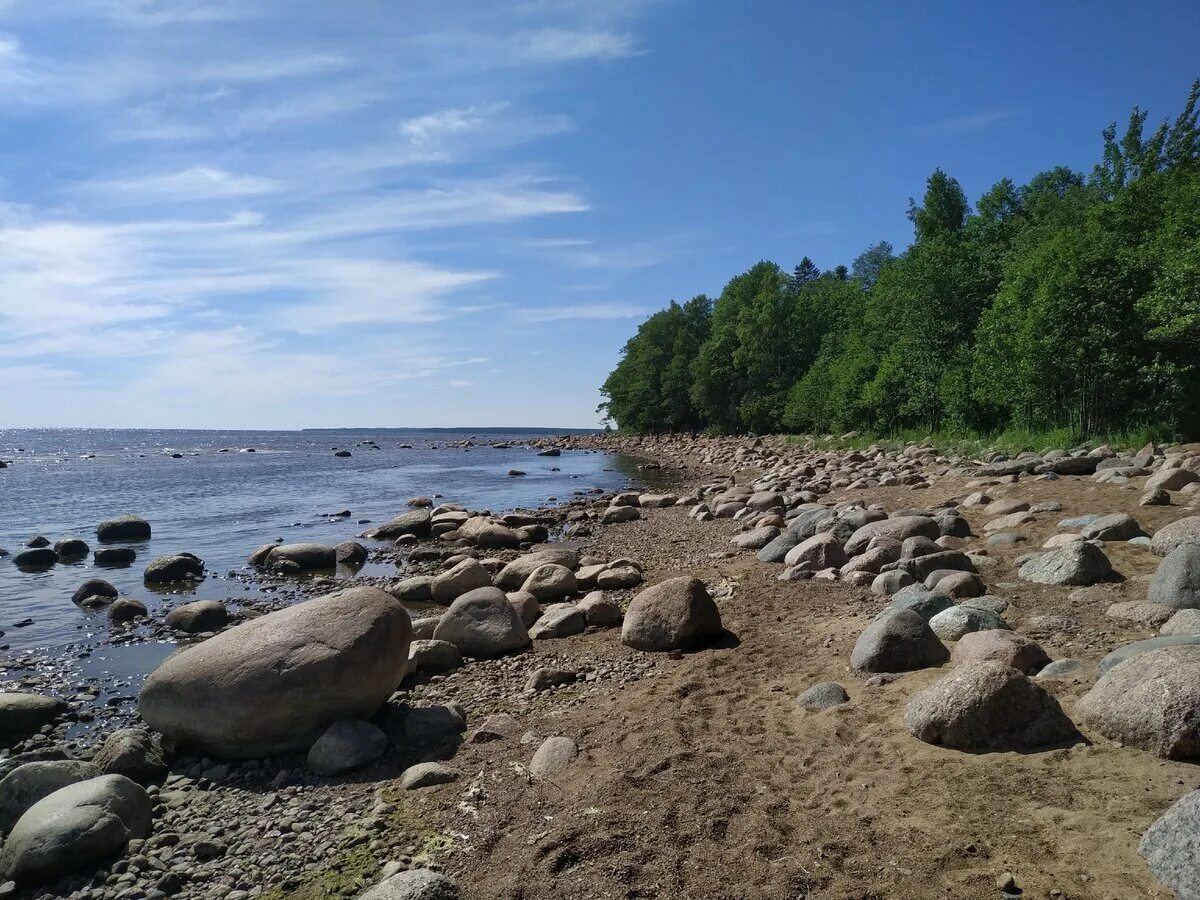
250,213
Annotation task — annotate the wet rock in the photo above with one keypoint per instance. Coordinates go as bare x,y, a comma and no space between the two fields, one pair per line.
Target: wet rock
350,553
35,558
418,523
175,568
114,556
22,714
199,616
71,548
304,557
94,587
123,528
124,610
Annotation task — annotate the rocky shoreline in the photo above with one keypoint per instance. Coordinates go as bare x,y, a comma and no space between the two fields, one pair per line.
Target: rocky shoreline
535,734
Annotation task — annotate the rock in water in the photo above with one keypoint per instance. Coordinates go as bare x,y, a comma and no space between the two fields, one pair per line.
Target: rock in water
482,622
1177,582
273,683
897,641
987,705
22,714
677,614
170,569
1151,701
1078,563
1171,849
199,616
75,827
301,557
414,884
416,523
124,528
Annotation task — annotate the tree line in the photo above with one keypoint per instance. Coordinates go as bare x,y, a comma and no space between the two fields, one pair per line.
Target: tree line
1072,302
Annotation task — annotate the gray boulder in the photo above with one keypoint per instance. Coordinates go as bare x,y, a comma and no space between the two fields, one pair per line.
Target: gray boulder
417,523
550,583
1151,701
28,783
426,774
999,645
1185,621
126,609
417,589
600,610
1137,648
302,557
134,753
821,551
1078,563
465,576
954,622
677,614
554,755
777,549
1177,581
346,745
124,528
350,553
174,568
756,538
825,695
433,656
513,575
74,828
274,683
1116,527
1171,849
199,616
558,620
1181,531
414,884
986,705
897,641
483,622
898,528
94,587
22,714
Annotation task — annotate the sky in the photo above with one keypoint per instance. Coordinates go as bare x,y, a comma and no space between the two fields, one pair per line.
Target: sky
302,213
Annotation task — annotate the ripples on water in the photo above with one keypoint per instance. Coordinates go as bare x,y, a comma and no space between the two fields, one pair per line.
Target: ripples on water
221,505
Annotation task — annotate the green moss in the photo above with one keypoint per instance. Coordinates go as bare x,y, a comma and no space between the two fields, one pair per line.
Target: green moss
352,870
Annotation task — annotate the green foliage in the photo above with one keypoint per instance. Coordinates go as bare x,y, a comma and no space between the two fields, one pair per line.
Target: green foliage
1065,307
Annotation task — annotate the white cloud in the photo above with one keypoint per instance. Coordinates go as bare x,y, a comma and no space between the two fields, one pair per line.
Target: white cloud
580,311
556,45
199,182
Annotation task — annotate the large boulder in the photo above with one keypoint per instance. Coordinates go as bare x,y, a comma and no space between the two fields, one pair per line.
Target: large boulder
554,755
35,558
199,616
95,588
1170,480
987,705
416,523
1151,701
898,528
1181,531
1137,648
756,538
1171,849
28,783
174,568
550,583
776,550
134,753
74,828
304,557
955,622
897,640
346,745
1177,581
677,614
999,645
482,622
1078,563
513,575
22,714
821,551
274,683
464,576
124,528
1115,527
488,533
558,620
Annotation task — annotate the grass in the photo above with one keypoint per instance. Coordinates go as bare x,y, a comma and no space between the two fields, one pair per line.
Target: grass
1009,442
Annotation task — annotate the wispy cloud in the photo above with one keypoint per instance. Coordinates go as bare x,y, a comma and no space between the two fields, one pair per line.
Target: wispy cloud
199,182
968,122
553,45
595,311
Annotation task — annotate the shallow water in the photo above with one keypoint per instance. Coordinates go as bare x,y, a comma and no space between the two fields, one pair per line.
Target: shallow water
221,505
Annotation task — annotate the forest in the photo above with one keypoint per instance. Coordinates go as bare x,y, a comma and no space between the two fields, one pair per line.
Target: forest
1071,303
